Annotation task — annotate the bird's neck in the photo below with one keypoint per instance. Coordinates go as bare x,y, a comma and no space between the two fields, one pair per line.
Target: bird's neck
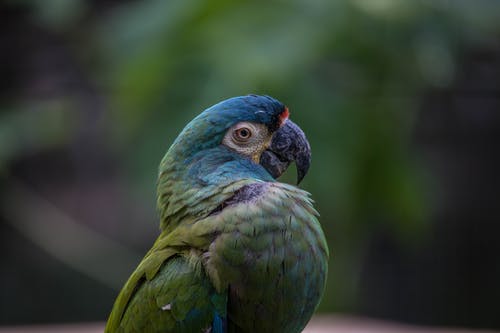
196,185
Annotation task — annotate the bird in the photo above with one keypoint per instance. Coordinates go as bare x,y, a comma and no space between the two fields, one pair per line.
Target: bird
238,251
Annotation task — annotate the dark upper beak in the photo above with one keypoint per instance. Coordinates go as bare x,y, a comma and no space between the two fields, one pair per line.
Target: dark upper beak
289,144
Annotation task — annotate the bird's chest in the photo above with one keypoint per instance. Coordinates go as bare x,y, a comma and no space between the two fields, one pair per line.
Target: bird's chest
274,275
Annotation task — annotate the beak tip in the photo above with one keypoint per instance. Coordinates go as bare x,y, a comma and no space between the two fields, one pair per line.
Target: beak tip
302,169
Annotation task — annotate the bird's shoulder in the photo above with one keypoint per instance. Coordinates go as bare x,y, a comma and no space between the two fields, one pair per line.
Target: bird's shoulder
261,200
242,200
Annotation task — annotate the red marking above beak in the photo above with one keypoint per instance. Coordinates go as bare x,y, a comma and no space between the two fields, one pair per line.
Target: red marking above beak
284,116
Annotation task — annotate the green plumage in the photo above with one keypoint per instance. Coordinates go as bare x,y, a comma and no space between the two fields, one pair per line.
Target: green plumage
147,310
238,252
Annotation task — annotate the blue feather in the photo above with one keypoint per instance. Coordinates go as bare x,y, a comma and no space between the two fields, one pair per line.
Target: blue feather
219,324
206,130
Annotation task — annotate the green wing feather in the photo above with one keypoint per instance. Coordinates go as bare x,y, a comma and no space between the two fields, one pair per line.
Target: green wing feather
180,298
175,240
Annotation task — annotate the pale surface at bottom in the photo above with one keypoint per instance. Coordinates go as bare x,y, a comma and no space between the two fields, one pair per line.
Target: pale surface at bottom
319,324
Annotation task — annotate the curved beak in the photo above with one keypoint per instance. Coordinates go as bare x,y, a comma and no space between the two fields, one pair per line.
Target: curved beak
289,144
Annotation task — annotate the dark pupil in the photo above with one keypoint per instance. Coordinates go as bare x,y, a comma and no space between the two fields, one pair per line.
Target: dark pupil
244,133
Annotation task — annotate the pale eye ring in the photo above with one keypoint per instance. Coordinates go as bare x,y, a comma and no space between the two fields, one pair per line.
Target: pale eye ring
242,134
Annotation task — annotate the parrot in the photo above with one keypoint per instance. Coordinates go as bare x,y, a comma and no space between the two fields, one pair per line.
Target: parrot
238,251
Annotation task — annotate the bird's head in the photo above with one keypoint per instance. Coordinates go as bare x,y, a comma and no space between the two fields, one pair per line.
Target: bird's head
251,132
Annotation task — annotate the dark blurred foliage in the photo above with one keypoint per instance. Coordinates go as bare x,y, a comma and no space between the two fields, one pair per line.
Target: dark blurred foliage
400,101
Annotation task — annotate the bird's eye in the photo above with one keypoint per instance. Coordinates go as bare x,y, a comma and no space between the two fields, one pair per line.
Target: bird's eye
242,134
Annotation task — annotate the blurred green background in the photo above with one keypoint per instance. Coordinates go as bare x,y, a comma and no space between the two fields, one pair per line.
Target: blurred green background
400,101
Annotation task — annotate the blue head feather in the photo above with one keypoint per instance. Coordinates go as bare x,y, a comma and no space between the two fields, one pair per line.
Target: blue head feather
198,148
254,108
208,128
